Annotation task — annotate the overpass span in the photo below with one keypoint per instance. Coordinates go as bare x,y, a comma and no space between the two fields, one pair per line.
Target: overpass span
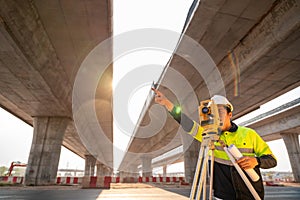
44,42
285,125
272,128
262,36
42,45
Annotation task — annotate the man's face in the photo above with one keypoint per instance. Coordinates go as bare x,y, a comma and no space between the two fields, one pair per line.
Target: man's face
224,117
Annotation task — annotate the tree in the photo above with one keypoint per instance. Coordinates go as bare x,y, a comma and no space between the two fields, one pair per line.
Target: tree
3,170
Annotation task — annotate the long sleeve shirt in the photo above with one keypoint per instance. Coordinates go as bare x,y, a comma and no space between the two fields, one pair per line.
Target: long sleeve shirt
227,182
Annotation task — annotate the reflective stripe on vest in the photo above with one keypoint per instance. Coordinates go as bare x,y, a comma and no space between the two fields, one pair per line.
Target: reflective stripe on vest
242,150
222,157
245,139
194,130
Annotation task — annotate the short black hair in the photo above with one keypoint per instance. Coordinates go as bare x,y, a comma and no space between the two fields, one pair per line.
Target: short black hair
227,109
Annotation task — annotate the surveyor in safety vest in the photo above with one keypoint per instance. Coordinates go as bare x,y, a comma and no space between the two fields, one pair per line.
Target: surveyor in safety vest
227,183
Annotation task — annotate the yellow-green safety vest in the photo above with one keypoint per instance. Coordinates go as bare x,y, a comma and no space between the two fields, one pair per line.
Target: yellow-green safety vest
245,139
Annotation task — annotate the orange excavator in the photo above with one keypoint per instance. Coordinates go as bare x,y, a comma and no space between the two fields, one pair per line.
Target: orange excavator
15,164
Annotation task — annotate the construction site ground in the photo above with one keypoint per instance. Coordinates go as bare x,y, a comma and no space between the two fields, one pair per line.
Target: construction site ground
126,191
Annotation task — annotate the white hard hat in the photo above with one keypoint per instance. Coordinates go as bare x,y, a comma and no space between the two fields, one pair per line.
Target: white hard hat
218,99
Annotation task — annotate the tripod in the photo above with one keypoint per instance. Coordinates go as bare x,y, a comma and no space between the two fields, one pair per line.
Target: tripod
207,145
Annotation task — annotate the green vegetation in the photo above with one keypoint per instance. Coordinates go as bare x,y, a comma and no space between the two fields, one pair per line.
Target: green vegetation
3,170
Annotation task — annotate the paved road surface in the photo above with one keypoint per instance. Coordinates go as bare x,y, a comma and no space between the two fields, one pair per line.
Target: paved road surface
136,192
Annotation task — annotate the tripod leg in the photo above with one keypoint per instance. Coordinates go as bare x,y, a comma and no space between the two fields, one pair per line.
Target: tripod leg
196,175
204,180
212,161
203,174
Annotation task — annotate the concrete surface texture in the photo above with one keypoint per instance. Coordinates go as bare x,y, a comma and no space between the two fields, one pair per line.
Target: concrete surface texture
42,46
45,150
254,44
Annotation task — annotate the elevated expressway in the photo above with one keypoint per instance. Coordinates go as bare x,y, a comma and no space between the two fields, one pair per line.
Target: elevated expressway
255,46
285,125
42,45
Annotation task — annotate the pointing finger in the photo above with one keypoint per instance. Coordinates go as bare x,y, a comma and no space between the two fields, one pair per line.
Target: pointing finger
155,90
158,93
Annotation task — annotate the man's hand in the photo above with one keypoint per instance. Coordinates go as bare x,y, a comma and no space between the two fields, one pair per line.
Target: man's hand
162,100
247,162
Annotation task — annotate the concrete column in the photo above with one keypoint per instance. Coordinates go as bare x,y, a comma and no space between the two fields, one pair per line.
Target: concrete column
191,153
191,149
133,172
45,150
291,141
165,171
122,176
131,175
90,162
93,164
100,170
146,166
101,173
108,171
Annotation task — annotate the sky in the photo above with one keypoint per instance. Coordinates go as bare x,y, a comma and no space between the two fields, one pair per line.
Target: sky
132,15
16,136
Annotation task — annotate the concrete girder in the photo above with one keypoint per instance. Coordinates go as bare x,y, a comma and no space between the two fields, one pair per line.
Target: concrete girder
33,64
269,45
272,127
43,44
285,125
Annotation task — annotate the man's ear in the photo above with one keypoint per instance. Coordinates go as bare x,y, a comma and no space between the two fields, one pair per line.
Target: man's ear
230,115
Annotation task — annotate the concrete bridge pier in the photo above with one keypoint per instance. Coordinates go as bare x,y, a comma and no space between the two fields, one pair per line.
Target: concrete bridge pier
108,171
146,166
90,162
190,160
165,171
45,150
191,149
123,176
128,175
133,171
291,141
89,170
101,170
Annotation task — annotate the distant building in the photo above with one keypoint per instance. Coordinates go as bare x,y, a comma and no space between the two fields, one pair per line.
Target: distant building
278,176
